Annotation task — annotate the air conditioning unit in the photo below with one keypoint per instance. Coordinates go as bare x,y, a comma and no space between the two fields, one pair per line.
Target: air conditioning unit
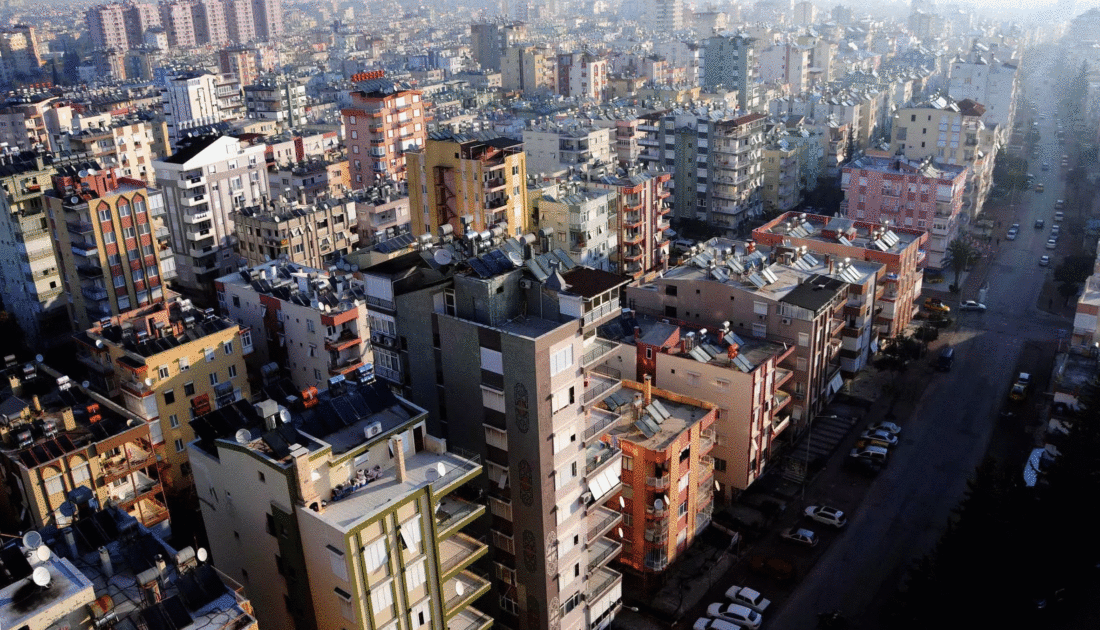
525,284
373,429
376,338
786,321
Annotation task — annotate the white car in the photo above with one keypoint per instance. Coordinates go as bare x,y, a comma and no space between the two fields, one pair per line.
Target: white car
1044,261
736,614
881,436
1011,235
971,305
704,623
827,515
884,426
748,598
1052,243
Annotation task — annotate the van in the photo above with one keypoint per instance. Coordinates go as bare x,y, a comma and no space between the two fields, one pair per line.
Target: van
870,453
947,358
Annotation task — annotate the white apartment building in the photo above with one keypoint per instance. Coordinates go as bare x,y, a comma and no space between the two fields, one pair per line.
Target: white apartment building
552,148
190,100
204,182
585,221
985,79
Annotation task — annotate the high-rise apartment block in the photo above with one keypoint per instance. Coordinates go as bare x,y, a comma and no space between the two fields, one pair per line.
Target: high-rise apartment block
489,40
529,69
552,148
730,62
472,183
665,16
642,221
310,323
910,194
582,76
347,495
190,100
584,221
385,122
169,363
186,23
20,56
316,234
983,78
280,99
108,245
204,182
122,143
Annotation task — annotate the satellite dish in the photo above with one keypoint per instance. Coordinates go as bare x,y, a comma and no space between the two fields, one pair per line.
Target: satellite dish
99,343
85,384
441,469
658,504
74,200
202,555
148,382
32,540
284,415
38,358
443,256
82,173
622,503
459,588
243,436
92,171
67,509
717,486
42,553
41,576
620,532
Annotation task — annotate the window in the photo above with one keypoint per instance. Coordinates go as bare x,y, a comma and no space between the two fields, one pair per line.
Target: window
561,360
169,397
415,576
81,474
232,371
54,485
162,371
719,464
376,554
270,524
123,209
309,325
209,354
189,389
173,421
628,462
381,597
803,339
562,399
185,364
410,534
179,445
683,509
213,378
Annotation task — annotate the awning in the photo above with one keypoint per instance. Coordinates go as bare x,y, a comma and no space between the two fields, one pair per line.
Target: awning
874,346
836,384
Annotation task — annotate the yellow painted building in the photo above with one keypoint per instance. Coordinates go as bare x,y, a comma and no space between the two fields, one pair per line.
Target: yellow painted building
170,363
457,177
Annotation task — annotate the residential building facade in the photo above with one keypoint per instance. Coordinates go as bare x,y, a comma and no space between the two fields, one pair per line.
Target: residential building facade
384,123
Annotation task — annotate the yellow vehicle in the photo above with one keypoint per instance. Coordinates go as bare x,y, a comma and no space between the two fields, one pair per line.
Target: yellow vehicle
1021,387
935,304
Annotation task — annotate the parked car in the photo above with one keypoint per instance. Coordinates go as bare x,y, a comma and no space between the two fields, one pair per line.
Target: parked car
827,515
884,426
1039,223
1052,243
777,569
1039,188
705,623
873,453
946,359
799,536
748,598
1014,226
971,305
1044,261
935,304
880,436
1046,166
1011,234
736,614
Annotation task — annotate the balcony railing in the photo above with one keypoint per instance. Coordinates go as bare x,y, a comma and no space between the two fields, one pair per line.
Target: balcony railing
458,551
599,312
601,551
598,421
597,457
597,349
600,582
600,521
656,563
469,619
657,483
474,585
601,381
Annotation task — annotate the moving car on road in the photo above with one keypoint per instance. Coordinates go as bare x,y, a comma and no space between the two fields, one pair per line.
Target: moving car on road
935,304
1039,188
1021,387
1044,261
748,598
799,536
971,305
827,515
1039,223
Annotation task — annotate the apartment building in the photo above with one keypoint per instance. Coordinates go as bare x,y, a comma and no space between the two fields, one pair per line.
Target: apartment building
488,41
386,121
178,20
167,364
267,18
124,143
240,22
346,512
204,182
764,300
31,121
782,181
924,194
190,100
730,62
108,240
381,212
531,70
59,436
584,221
665,16
642,221
311,180
30,274
736,174
669,466
106,25
20,52
242,61
103,567
903,252
788,64
471,182
209,18
279,99
583,76
314,234
952,133
309,322
982,78
553,148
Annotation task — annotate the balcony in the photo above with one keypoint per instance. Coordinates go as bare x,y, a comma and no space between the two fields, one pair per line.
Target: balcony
88,250
469,619
494,184
657,483
473,586
346,339
601,552
780,400
90,271
599,420
633,238
79,227
656,563
601,381
197,217
600,520
707,440
132,459
191,182
656,531
459,551
600,582
597,350
453,514
600,312
599,456
94,293
461,466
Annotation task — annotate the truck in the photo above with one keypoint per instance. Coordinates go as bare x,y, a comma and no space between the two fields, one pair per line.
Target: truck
1020,388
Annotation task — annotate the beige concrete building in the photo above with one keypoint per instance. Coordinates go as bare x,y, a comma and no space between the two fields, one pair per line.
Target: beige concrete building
313,325
382,212
782,189
553,148
167,364
472,183
125,144
307,181
346,512
585,222
314,235
529,69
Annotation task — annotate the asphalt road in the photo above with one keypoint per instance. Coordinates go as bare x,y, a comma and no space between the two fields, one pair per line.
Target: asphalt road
906,507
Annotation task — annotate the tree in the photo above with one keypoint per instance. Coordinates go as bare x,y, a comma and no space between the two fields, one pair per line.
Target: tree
961,253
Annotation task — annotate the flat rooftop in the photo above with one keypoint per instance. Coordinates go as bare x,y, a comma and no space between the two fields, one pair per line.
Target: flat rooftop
856,234
681,416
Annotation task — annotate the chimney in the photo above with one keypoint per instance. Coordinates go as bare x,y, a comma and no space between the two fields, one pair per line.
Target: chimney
647,389
731,351
829,262
637,333
104,558
750,246
398,447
